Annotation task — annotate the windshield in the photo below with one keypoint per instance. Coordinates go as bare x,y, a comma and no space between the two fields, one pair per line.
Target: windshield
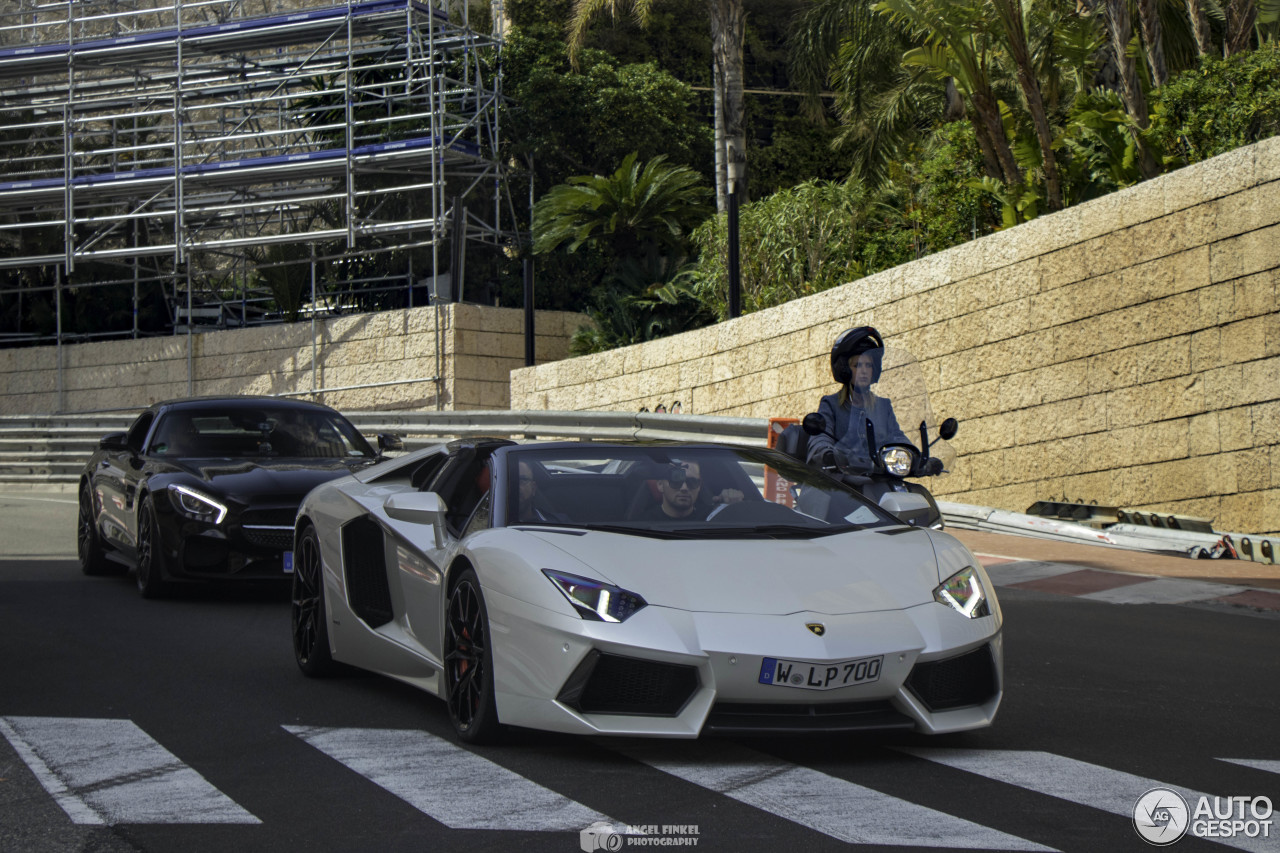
258,431
902,382
681,491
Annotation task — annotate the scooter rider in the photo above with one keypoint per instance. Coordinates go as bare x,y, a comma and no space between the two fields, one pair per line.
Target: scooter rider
857,358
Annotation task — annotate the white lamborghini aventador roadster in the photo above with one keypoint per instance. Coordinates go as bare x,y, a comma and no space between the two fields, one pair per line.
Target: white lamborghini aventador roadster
642,589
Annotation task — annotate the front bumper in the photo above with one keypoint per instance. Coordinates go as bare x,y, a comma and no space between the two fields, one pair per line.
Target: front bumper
672,673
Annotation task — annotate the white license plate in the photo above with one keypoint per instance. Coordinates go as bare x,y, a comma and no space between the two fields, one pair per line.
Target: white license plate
820,676
288,562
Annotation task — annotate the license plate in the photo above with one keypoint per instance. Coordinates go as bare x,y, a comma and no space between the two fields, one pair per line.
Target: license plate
820,676
288,562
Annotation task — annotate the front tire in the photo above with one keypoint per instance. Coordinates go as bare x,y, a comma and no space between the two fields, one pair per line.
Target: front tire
309,619
151,582
468,663
89,547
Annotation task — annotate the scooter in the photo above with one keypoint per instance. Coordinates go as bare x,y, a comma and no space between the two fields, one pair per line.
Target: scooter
881,478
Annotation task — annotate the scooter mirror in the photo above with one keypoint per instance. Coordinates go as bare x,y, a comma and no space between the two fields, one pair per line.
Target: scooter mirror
948,429
814,424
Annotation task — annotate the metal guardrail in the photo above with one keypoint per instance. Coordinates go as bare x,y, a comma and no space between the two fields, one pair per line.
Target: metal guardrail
54,449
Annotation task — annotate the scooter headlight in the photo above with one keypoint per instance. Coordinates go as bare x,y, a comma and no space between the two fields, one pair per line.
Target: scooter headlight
897,460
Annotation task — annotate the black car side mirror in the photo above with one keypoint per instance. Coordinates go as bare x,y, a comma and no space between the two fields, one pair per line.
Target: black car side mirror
389,441
114,441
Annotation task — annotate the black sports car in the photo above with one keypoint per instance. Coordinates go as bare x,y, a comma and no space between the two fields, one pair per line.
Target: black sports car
207,488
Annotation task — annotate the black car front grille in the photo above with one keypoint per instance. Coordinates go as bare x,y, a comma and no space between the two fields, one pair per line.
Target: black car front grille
614,684
958,682
276,538
731,718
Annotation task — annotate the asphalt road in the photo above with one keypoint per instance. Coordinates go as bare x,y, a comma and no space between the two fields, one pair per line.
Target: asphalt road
184,725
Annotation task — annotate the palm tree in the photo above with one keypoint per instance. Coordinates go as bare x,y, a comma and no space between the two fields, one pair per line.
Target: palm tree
1120,28
728,29
634,210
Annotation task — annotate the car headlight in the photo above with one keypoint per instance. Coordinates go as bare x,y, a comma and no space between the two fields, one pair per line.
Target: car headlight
897,460
596,600
963,593
197,505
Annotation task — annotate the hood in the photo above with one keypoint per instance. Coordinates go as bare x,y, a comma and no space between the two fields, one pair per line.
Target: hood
856,572
267,480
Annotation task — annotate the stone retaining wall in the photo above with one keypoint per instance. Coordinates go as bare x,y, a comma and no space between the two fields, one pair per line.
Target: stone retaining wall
1124,351
460,356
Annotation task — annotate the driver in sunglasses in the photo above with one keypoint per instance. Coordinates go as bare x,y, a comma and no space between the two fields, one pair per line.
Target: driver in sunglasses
680,490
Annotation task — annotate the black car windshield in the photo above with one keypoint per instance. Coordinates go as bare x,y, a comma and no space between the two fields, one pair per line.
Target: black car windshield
258,431
680,491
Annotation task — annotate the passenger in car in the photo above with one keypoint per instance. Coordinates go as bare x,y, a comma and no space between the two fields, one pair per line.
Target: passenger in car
532,505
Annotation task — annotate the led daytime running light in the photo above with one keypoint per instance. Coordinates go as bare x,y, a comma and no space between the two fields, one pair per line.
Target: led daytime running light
197,505
963,593
596,600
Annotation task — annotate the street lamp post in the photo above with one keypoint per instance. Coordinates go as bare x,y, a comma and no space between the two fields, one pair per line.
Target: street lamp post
735,169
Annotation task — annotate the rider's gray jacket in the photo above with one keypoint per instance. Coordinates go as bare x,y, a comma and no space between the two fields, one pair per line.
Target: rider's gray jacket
848,423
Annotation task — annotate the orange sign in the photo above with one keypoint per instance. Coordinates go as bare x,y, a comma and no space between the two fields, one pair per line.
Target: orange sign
776,488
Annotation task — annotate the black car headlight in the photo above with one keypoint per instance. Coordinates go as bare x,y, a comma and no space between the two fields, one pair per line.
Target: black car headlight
963,593
197,505
897,460
595,599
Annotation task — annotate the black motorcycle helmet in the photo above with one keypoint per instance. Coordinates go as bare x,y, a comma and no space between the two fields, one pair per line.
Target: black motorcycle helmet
852,342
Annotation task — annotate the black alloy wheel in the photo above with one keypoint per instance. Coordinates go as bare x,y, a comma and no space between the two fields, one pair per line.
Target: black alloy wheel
151,582
89,547
468,663
309,620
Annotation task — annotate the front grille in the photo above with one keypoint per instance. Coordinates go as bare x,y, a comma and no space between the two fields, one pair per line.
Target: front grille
276,538
729,718
958,682
614,684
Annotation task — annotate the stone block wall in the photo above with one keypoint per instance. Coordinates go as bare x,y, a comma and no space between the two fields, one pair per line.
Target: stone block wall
1125,351
452,356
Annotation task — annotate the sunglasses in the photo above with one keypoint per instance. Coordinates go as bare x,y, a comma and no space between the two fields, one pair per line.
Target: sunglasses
692,482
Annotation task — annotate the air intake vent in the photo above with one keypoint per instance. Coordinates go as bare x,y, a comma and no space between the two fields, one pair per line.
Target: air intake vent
613,684
365,561
959,682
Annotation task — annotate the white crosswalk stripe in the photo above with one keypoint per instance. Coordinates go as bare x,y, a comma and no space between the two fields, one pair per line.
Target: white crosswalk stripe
819,801
451,785
1068,779
111,772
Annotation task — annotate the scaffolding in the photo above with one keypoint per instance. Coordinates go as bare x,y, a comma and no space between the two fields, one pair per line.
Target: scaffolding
233,161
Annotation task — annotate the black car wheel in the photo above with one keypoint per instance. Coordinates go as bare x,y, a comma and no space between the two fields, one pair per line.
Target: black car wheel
468,663
151,582
89,547
310,622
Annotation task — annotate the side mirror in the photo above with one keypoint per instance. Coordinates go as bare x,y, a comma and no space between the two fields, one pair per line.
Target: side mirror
419,508
948,429
114,441
389,441
814,424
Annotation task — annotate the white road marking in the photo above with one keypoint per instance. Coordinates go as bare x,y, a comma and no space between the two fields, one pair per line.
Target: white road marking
830,805
1004,574
1256,763
449,784
112,772
1068,779
1164,591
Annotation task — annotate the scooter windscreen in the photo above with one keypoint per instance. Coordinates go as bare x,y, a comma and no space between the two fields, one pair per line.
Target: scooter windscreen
902,382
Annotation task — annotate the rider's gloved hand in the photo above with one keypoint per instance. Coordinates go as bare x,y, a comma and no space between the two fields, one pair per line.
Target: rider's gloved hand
829,461
929,467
